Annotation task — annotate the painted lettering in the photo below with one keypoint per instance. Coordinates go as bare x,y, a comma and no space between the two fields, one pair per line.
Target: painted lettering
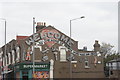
43,35
50,34
29,42
70,42
64,39
36,37
57,35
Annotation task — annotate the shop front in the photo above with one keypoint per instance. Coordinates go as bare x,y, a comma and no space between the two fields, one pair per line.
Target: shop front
24,71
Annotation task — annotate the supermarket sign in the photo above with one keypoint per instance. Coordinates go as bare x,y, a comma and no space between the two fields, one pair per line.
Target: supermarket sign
24,66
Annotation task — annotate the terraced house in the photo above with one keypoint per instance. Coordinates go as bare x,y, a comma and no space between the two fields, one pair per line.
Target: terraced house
49,53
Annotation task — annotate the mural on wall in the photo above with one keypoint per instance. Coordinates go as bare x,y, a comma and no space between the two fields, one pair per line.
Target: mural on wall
41,74
55,51
45,51
71,57
44,58
28,54
50,36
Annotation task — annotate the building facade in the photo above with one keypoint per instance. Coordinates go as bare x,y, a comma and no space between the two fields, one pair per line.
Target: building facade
49,53
114,68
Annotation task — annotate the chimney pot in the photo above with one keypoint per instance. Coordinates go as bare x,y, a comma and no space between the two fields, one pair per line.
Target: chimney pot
40,25
44,24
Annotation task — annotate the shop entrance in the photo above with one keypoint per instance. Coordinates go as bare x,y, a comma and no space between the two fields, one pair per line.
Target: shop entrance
25,75
25,78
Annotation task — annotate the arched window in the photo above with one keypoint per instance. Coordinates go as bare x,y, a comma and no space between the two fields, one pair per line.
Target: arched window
3,61
6,59
13,56
9,58
62,53
1,53
18,54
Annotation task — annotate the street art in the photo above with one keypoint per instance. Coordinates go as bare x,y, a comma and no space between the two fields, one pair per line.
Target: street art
41,74
44,58
71,57
28,54
50,37
38,45
45,51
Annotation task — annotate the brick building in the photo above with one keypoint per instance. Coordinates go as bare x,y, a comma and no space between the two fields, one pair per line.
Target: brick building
56,55
114,68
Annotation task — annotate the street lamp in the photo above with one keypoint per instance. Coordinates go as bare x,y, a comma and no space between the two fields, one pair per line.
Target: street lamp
5,43
71,23
70,37
33,46
5,29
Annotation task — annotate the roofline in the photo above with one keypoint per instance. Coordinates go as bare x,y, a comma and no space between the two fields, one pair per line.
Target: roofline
51,27
7,43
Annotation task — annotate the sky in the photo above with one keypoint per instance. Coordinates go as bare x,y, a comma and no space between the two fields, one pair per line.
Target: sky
100,22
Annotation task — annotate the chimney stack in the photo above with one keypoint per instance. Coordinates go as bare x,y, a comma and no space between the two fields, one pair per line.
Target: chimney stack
84,48
96,46
40,25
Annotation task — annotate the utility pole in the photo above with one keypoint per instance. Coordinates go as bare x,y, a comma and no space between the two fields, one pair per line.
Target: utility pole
70,38
33,46
4,47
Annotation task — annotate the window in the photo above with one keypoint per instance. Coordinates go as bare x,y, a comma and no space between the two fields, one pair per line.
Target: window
18,53
114,65
86,63
63,50
13,56
1,53
6,60
82,54
118,65
9,58
62,54
3,61
88,54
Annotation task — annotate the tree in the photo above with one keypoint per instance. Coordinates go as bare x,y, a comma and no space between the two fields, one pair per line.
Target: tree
107,49
111,57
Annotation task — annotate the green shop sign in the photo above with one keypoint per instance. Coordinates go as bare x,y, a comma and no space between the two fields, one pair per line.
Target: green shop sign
23,66
35,66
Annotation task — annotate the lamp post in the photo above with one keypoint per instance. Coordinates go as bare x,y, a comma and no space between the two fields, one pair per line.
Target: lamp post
71,23
33,46
70,37
5,44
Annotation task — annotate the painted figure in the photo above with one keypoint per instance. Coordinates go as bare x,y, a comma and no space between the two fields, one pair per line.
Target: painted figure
28,56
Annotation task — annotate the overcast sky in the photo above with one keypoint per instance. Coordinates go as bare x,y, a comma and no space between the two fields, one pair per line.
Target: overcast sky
100,22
